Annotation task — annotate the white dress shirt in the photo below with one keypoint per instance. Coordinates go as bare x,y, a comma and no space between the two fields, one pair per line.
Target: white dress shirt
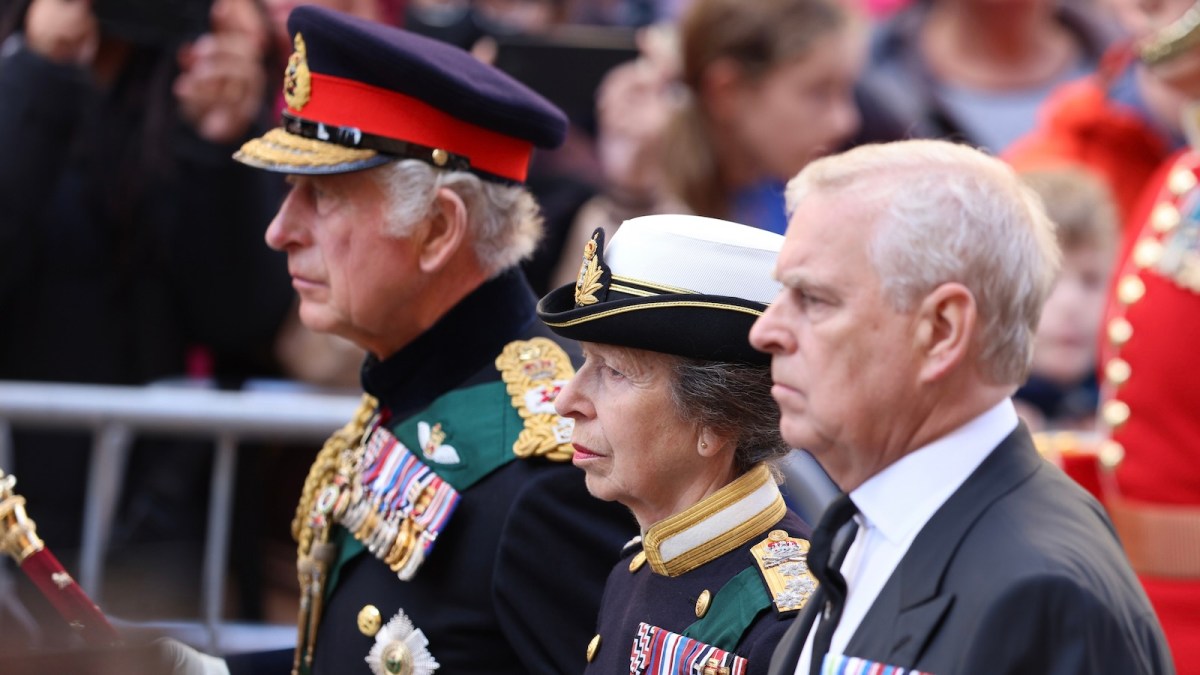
893,507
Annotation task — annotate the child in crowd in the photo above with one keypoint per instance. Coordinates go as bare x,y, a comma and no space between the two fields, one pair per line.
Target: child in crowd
1062,391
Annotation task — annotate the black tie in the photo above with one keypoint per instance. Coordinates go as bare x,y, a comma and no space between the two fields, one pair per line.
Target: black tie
826,567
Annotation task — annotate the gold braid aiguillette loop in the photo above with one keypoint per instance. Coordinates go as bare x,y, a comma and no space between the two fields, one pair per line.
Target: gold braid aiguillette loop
314,553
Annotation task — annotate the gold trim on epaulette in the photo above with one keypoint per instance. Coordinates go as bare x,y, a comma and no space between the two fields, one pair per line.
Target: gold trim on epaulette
783,563
535,371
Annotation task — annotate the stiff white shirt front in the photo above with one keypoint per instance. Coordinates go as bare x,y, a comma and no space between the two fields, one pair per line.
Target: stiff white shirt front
893,507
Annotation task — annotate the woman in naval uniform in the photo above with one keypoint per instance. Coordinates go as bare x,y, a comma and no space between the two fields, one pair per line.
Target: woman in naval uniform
674,419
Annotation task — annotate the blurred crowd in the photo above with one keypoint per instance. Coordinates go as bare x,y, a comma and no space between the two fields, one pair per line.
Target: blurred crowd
131,246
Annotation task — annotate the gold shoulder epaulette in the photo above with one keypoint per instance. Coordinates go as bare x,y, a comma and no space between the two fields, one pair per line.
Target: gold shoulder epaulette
783,562
535,371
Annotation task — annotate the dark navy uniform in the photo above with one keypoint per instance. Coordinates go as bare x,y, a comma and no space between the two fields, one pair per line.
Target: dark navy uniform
513,582
443,528
710,602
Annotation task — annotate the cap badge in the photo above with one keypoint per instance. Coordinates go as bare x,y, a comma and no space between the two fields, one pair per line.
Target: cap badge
297,79
589,274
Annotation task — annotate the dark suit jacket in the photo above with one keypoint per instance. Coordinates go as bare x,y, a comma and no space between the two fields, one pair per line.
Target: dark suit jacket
1019,571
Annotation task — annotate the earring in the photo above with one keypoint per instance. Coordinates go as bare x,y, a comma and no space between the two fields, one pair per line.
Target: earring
704,444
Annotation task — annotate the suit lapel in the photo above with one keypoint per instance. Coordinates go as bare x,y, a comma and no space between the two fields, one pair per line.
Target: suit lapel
910,607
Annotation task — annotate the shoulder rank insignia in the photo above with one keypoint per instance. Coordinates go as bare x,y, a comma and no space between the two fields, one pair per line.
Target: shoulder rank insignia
657,651
535,371
783,562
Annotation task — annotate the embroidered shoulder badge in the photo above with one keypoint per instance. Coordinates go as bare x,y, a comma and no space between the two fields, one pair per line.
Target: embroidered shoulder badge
783,562
535,371
297,80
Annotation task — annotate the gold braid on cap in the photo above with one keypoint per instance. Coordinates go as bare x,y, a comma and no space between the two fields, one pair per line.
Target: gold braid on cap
325,467
1173,39
277,147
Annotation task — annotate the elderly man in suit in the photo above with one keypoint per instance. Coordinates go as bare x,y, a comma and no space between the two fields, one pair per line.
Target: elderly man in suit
914,275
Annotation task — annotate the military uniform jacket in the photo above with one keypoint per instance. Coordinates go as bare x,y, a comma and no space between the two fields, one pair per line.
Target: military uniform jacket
1018,572
513,581
705,605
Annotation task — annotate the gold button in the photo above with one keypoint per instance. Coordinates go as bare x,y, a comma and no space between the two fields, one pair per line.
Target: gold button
1130,289
777,535
1115,413
1164,217
440,157
702,603
369,620
1119,331
1181,181
1117,371
1111,453
1147,253
638,561
593,647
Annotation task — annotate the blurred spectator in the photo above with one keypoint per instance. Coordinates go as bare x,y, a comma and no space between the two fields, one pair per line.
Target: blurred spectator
1121,122
714,126
129,241
948,77
1062,391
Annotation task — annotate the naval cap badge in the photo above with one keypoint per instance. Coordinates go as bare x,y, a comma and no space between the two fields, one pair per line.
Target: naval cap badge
401,649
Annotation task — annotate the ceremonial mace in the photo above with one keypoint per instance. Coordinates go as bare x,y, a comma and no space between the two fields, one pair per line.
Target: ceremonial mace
19,539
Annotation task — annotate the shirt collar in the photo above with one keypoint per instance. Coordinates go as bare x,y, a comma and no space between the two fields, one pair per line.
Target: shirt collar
924,479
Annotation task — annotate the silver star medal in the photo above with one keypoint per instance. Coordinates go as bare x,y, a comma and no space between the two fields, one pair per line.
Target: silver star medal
401,649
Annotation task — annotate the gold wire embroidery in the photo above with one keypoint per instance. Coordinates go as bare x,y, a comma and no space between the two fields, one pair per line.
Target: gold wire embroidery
297,79
534,371
589,275
280,148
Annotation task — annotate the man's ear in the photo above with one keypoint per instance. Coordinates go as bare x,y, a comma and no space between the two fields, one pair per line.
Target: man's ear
445,233
946,327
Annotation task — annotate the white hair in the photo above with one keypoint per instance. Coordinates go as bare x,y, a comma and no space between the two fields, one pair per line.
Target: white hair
950,213
504,220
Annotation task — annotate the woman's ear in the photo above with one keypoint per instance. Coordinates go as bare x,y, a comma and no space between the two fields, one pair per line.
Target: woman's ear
445,233
946,326
708,444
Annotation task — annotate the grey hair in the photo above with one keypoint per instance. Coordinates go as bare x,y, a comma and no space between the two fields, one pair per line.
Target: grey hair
504,219
733,399
949,213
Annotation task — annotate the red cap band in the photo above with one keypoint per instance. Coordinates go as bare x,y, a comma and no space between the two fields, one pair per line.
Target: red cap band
347,103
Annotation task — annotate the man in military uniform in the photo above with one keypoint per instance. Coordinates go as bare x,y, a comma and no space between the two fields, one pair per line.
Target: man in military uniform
1150,396
441,528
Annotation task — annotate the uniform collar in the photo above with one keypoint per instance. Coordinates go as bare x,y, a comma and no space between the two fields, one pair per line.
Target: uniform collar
462,343
718,524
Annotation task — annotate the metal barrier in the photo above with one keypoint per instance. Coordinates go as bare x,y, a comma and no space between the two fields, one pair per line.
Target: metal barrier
115,415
